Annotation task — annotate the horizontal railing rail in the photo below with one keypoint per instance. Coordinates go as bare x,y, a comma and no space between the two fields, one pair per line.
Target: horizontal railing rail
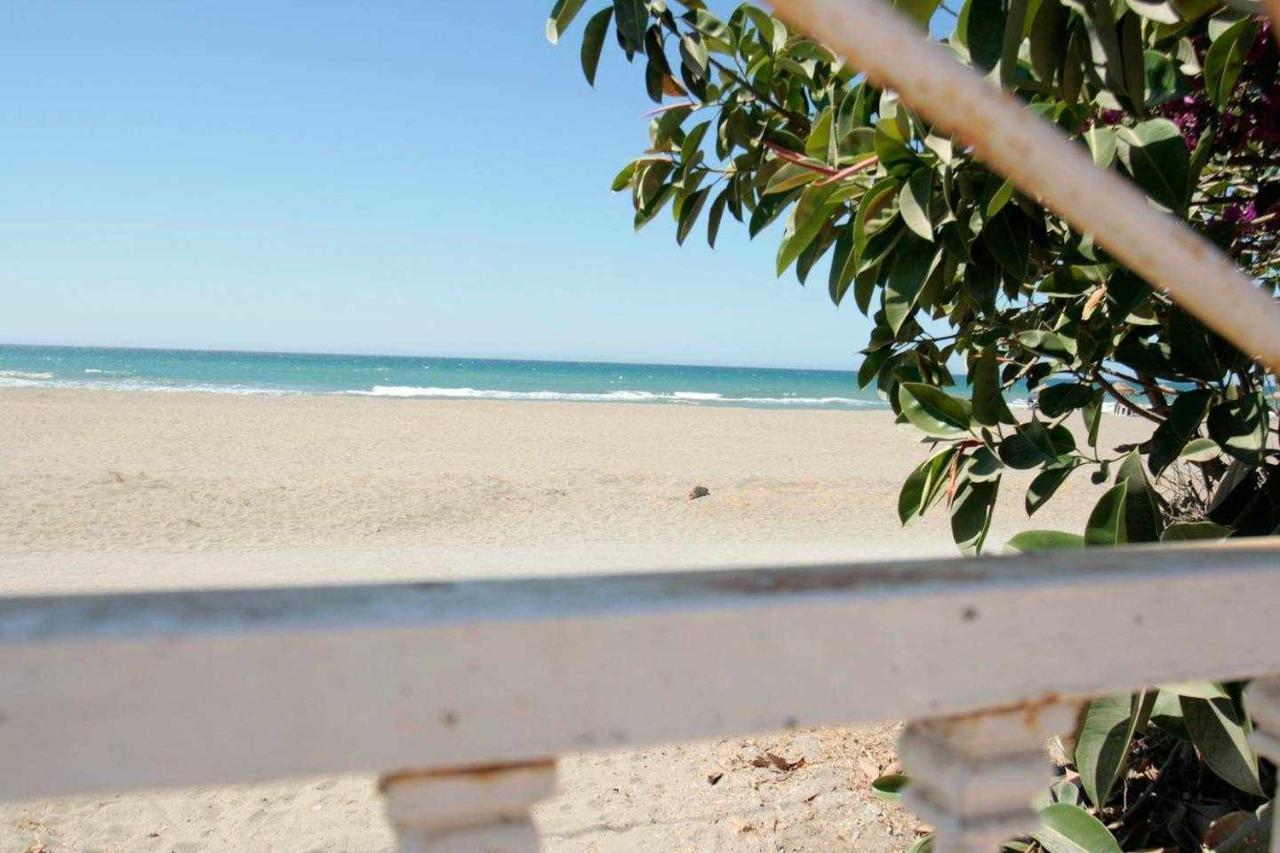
113,692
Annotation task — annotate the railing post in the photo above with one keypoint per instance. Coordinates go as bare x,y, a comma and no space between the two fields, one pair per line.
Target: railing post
1262,699
974,776
472,809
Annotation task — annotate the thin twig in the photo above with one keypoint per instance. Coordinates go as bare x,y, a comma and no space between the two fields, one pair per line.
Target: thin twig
1134,407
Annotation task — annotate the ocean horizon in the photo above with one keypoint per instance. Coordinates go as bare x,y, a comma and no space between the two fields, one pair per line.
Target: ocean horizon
427,377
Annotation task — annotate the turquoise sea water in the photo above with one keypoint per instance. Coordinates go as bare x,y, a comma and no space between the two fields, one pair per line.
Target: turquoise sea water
411,377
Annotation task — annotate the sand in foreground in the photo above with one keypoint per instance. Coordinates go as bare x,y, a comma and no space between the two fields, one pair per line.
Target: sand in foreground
110,491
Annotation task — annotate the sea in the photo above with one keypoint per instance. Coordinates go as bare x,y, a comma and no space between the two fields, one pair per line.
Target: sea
411,377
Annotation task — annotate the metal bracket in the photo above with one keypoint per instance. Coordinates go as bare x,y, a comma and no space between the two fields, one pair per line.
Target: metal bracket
973,776
475,809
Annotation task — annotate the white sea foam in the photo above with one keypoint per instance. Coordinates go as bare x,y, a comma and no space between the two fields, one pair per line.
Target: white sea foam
24,374
688,397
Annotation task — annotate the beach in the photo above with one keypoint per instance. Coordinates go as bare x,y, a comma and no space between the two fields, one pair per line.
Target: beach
116,490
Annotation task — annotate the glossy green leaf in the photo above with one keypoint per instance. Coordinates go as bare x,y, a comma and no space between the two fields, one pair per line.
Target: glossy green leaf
1156,157
633,18
593,42
716,214
1031,541
989,407
876,210
562,15
689,210
1225,58
1142,519
1185,416
1065,828
1106,523
1008,238
913,202
1221,737
933,411
1194,531
1014,25
980,28
971,513
912,263
1240,427
1102,744
1045,484
1200,450
922,488
889,787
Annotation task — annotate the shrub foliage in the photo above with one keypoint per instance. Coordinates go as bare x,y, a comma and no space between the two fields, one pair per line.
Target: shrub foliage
954,266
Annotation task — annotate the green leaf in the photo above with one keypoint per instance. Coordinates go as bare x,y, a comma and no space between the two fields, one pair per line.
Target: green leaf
913,202
980,28
623,179
971,514
923,486
1044,485
1156,157
633,18
1194,531
1065,828
1106,523
1050,344
1185,416
1031,541
1008,237
933,411
924,844
877,209
1102,145
1049,40
1221,736
593,42
1102,744
807,219
790,176
689,211
912,263
1014,25
562,15
693,54
889,787
989,407
714,217
1058,399
1200,450
1142,519
1225,60
1240,428
1000,196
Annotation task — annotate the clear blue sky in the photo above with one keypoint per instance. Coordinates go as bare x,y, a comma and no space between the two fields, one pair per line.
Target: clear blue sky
395,177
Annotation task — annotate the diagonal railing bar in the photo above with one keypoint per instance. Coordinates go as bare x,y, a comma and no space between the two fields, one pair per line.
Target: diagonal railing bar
1043,163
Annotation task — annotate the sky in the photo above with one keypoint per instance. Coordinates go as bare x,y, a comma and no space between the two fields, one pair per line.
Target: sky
393,177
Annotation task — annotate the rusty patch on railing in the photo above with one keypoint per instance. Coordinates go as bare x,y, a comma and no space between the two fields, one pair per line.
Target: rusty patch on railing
474,771
1030,710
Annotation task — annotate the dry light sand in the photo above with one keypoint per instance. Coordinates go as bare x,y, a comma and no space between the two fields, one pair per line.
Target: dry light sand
113,491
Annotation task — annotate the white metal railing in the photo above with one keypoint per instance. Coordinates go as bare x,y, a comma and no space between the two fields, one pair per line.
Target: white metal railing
490,680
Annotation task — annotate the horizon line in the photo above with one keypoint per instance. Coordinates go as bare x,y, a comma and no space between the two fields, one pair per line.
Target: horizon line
230,350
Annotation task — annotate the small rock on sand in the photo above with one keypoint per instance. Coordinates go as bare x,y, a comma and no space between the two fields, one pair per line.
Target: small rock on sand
699,492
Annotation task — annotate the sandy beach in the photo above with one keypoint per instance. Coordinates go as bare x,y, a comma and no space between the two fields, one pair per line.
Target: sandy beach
115,490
